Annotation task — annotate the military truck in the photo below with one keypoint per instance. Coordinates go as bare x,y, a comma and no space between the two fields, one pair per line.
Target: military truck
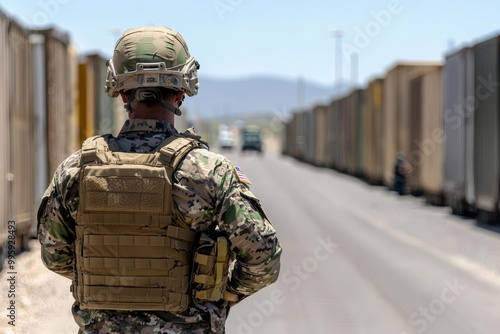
251,139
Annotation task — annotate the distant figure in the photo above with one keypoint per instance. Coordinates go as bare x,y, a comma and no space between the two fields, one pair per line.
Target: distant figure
401,169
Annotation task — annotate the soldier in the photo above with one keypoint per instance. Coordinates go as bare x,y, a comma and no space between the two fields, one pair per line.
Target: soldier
401,170
146,224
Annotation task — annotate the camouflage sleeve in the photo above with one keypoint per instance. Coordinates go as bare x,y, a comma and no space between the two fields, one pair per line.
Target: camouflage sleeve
56,218
208,192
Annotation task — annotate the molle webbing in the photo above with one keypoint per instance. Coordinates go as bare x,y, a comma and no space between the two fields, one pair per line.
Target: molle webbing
210,268
130,253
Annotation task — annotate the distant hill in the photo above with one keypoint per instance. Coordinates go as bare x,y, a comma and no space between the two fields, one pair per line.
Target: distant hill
221,98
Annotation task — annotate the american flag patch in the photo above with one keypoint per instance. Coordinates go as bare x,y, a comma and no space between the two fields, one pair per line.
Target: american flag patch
241,176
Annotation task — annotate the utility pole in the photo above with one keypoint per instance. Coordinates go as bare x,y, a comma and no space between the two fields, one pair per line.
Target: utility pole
337,34
354,69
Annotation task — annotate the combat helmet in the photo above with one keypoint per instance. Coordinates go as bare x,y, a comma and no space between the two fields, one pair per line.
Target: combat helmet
151,57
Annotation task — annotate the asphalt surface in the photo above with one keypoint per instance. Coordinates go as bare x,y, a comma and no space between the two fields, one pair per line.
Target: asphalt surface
361,259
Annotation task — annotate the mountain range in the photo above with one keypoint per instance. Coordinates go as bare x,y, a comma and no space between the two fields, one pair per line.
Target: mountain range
267,95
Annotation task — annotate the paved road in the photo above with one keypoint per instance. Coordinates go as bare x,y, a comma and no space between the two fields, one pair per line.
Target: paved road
359,259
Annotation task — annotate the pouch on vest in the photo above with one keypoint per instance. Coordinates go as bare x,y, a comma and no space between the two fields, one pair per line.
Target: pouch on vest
210,268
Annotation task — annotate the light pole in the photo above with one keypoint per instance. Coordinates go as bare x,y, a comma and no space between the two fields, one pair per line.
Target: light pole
354,69
337,34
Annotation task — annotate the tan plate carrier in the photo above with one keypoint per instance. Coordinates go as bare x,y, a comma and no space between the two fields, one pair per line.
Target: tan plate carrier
130,253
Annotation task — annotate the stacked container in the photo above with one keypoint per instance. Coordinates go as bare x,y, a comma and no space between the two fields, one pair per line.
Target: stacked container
432,136
4,135
320,134
458,124
487,128
396,118
22,146
372,147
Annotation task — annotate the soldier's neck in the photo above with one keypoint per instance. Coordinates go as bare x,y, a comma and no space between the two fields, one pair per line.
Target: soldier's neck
158,113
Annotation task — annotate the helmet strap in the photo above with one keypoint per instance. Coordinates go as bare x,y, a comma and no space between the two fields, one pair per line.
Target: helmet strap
170,107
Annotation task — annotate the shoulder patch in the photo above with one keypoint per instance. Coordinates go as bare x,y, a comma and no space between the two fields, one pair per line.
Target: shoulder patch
241,176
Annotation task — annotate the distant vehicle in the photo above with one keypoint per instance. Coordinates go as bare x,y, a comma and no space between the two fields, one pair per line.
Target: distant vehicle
226,140
251,139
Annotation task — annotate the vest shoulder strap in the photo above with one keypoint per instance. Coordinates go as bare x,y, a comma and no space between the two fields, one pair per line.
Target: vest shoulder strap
173,149
92,146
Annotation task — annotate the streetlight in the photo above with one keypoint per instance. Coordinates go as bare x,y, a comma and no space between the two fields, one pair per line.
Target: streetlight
337,34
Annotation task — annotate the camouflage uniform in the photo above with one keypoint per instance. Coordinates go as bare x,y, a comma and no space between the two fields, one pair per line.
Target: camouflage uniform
207,192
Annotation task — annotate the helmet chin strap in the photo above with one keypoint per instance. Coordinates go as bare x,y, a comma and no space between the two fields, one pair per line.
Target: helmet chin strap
170,107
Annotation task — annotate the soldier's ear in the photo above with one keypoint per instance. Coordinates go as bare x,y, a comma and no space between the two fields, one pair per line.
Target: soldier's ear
179,97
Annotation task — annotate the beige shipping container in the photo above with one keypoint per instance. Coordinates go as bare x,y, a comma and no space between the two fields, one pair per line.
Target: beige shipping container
396,115
335,133
426,135
22,133
59,96
99,103
320,146
74,112
4,133
356,125
289,138
330,135
352,132
85,102
300,123
97,109
343,133
414,156
373,149
432,145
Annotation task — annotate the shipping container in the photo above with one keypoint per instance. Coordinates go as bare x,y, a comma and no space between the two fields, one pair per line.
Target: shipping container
85,98
285,135
96,107
288,137
333,134
415,155
58,93
320,134
291,136
309,136
301,138
22,145
74,121
55,100
343,133
487,128
432,137
4,135
356,133
372,140
396,115
458,123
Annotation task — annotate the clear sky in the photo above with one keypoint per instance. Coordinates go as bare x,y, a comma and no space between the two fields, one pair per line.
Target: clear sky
241,38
